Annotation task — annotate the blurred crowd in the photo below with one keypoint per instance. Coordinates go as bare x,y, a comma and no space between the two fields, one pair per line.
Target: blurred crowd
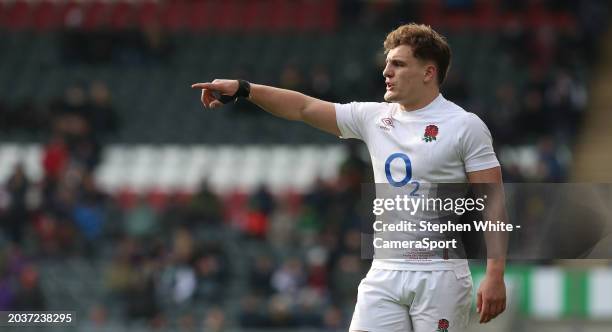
150,46
84,112
280,259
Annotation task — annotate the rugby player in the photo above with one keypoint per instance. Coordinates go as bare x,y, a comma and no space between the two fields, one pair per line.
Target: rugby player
438,140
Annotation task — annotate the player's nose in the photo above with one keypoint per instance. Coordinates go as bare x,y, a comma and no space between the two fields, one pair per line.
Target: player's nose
387,72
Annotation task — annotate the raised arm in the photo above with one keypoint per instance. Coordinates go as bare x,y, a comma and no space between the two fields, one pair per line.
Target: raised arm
287,104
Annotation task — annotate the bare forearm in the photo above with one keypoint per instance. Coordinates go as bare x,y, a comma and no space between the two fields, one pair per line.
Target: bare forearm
283,103
495,212
488,183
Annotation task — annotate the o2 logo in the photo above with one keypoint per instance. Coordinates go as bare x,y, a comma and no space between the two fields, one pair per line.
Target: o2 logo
407,177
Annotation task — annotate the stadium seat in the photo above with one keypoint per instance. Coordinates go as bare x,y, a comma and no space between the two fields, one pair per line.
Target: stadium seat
18,15
121,15
148,13
96,15
171,167
255,161
9,157
200,17
47,15
226,172
174,14
305,168
331,160
32,160
279,168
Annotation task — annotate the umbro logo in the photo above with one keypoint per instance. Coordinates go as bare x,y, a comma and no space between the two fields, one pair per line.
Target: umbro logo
386,124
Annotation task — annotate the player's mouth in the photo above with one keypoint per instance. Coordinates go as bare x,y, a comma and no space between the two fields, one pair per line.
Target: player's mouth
389,86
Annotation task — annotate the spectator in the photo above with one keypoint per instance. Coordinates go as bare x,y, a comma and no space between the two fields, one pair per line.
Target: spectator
549,166
17,215
281,232
98,317
262,201
317,269
291,78
187,322
211,274
260,276
6,289
89,215
279,312
307,308
251,315
289,277
566,99
179,283
141,295
29,296
502,114
182,246
456,88
70,113
333,319
141,220
532,120
157,46
320,84
102,116
346,276
215,320
55,158
204,208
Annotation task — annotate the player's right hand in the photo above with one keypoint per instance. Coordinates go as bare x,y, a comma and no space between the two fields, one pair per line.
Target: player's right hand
209,89
491,297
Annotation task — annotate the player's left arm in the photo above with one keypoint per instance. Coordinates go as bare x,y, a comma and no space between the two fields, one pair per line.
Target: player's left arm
491,296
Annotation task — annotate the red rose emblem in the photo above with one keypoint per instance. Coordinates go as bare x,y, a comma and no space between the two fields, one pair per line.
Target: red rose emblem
443,324
431,132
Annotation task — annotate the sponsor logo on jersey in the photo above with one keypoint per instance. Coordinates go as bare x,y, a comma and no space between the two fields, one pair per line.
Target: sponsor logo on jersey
443,325
431,132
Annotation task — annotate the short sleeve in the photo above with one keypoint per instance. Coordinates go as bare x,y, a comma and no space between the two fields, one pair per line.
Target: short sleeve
350,119
477,145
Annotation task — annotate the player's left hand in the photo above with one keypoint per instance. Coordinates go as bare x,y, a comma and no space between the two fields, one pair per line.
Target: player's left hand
491,298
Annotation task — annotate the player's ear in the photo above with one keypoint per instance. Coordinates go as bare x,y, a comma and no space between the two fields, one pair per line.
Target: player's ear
429,73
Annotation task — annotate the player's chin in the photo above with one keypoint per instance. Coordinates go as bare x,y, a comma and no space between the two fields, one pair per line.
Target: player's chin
390,96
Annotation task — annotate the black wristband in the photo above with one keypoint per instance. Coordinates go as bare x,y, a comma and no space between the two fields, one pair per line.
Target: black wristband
244,91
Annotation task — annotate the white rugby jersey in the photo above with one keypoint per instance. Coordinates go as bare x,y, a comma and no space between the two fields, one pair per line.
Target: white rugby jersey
438,143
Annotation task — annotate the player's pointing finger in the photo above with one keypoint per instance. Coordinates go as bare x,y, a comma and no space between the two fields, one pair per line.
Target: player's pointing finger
202,85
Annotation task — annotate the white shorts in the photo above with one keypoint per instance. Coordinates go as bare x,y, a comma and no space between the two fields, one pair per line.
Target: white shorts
419,301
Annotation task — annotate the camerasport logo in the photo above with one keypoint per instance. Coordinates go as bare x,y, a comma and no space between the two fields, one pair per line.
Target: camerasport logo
386,124
443,325
431,132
